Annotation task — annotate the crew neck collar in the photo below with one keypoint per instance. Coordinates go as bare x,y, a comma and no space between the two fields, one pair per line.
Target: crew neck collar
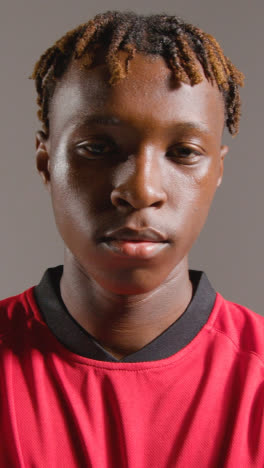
74,337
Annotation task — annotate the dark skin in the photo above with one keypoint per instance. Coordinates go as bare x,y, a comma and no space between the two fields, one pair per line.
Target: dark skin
158,166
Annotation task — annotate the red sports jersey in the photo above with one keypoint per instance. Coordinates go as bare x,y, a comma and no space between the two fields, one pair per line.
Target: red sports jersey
200,407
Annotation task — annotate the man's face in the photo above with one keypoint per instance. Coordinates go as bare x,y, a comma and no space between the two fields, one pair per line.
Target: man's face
142,154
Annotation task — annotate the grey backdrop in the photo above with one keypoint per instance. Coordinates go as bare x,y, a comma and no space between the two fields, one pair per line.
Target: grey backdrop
230,248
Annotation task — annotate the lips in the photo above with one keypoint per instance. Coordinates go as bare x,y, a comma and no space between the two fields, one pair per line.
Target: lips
138,244
133,235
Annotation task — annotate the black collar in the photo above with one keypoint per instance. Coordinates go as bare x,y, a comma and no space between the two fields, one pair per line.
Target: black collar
71,334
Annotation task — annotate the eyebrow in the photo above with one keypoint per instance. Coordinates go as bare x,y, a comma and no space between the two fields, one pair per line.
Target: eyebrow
111,120
102,120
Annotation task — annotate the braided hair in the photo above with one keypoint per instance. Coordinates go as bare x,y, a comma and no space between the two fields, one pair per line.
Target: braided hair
181,44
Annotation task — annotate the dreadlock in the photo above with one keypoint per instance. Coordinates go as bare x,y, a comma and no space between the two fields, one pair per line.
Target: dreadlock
181,44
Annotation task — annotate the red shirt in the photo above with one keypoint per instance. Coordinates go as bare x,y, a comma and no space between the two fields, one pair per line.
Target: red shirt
200,407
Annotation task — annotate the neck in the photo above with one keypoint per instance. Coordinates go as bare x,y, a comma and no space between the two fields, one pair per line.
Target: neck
123,324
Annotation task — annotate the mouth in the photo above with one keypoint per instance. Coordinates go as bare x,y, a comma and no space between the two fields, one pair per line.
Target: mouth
128,242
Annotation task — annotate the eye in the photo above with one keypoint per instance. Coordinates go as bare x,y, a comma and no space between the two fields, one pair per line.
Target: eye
95,148
185,154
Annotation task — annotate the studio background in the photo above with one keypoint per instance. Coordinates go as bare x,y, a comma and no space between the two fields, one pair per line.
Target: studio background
230,248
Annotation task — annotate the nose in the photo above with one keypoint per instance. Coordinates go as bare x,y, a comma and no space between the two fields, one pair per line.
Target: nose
139,182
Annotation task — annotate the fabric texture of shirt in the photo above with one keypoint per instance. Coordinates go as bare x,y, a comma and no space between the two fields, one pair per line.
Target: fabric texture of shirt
192,397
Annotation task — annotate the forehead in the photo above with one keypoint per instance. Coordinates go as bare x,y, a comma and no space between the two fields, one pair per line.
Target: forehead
147,96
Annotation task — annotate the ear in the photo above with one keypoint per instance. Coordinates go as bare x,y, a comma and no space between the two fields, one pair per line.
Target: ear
43,158
223,152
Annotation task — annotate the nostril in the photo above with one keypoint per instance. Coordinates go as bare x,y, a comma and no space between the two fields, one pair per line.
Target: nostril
138,196
122,202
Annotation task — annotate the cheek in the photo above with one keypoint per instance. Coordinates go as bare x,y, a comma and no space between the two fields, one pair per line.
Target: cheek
194,186
79,197
192,195
206,180
66,197
204,186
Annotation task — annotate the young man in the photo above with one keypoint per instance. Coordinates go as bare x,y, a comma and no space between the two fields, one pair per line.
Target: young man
123,357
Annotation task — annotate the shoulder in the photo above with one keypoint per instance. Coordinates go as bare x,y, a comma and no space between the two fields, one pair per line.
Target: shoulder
242,326
18,311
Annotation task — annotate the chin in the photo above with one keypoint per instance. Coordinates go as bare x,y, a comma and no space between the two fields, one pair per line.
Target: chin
131,286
